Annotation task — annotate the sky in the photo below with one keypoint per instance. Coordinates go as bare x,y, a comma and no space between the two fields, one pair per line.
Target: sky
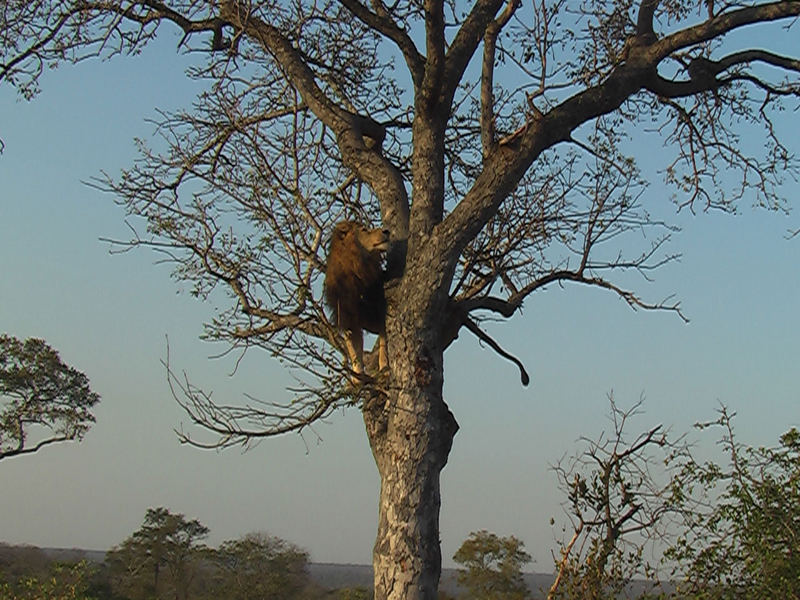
110,316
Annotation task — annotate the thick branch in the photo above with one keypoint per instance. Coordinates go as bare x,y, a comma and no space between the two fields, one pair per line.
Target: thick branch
506,166
748,56
508,163
351,129
429,91
487,77
466,42
704,74
721,25
302,77
644,23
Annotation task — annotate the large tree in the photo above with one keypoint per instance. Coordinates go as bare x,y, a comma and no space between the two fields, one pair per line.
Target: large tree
42,400
160,559
490,137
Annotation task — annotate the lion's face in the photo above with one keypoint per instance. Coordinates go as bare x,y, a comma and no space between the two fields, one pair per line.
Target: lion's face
371,240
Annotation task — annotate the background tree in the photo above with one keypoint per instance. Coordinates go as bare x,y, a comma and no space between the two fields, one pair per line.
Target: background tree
492,566
489,137
353,594
259,567
160,559
721,530
742,536
42,400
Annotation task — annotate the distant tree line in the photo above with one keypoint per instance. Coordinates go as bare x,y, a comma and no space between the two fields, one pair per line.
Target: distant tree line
167,559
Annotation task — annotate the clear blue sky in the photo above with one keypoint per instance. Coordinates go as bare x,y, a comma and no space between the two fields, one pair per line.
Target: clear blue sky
109,317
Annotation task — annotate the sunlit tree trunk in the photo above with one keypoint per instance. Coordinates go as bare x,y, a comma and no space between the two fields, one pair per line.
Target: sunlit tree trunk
411,431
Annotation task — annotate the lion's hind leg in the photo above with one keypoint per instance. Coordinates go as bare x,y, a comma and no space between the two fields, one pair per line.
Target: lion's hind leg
354,344
383,354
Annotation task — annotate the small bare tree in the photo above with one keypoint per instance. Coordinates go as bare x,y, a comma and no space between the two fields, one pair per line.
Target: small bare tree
619,502
488,136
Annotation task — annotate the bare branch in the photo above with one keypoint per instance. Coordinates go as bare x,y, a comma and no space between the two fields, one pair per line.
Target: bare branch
720,25
619,499
246,424
382,21
487,76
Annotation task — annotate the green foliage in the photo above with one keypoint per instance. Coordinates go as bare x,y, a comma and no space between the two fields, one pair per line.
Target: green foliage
42,400
259,567
64,582
728,530
742,536
165,559
492,566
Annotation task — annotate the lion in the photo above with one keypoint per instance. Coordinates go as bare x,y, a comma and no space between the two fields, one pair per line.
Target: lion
354,280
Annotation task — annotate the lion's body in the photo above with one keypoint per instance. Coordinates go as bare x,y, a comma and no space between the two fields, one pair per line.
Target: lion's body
354,281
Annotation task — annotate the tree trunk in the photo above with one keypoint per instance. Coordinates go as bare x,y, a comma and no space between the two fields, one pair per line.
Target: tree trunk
411,432
409,426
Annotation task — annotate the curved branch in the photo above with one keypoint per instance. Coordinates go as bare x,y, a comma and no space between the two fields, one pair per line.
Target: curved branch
351,129
483,336
721,25
704,72
22,449
244,425
681,89
748,56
